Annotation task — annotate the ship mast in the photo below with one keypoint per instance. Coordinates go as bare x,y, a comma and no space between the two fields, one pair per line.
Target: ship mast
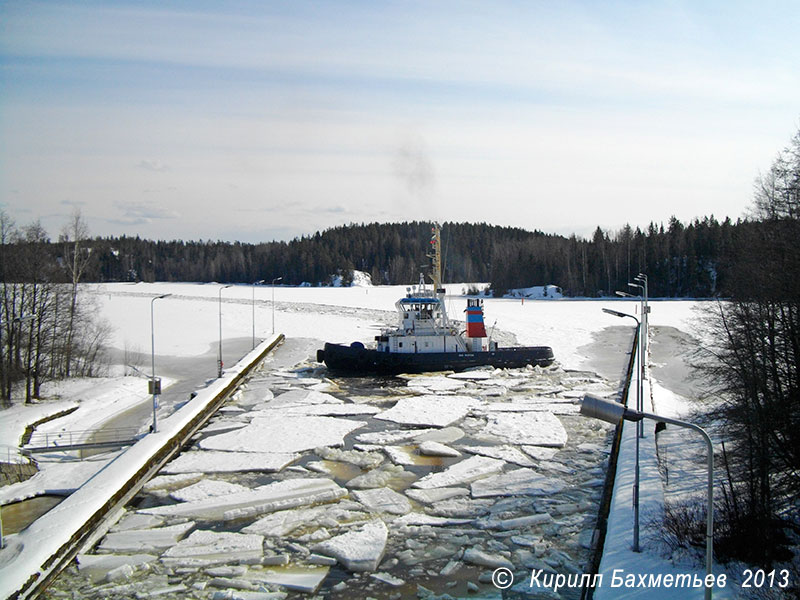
436,258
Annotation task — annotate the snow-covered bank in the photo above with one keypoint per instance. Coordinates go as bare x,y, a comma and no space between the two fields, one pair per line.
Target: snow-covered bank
187,322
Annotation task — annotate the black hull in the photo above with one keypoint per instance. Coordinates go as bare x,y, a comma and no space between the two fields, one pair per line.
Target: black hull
359,360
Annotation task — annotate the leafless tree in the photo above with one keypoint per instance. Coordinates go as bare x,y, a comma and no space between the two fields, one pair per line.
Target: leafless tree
76,258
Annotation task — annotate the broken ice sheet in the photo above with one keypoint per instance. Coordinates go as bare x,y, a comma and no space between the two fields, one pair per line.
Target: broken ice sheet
528,428
431,448
462,472
209,547
251,397
505,452
206,489
386,475
97,566
144,540
283,434
436,384
330,410
266,498
284,522
171,482
517,483
359,550
383,500
294,398
391,437
431,411
228,462
417,519
301,579
434,495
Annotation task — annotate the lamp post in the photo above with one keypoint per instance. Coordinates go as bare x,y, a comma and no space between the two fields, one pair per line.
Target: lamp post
273,302
154,389
642,334
642,278
638,425
255,283
219,361
613,412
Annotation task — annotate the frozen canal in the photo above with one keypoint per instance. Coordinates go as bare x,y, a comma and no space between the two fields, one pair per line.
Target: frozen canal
306,486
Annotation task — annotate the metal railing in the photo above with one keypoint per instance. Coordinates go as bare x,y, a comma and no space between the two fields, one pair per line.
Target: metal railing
48,441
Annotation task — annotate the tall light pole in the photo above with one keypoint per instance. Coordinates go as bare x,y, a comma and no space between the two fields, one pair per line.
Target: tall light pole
219,360
642,334
642,278
273,302
613,412
638,425
255,283
155,389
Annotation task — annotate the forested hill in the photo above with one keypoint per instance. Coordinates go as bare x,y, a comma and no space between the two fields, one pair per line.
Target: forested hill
681,260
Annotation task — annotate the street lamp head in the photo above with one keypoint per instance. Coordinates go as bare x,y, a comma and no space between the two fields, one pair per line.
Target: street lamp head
616,313
277,279
259,282
624,294
162,296
635,285
607,410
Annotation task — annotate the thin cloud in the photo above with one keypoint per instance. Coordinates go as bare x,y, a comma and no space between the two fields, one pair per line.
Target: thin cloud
141,213
152,165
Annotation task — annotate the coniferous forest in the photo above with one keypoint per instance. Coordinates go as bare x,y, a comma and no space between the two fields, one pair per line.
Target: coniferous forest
682,260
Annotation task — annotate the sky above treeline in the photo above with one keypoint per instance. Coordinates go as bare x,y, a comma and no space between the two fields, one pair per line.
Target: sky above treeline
259,121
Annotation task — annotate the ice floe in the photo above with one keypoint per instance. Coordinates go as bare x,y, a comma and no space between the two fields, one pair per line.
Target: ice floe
428,411
331,410
229,462
431,448
97,566
365,460
171,482
460,507
283,434
434,495
284,522
301,579
434,383
383,500
462,472
478,557
294,398
360,550
145,540
204,547
517,482
507,453
383,476
528,428
267,498
206,489
420,519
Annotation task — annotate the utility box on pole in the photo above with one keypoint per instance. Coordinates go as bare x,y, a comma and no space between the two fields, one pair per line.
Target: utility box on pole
154,386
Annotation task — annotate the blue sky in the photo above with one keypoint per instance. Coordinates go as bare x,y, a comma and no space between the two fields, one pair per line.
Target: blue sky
256,121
